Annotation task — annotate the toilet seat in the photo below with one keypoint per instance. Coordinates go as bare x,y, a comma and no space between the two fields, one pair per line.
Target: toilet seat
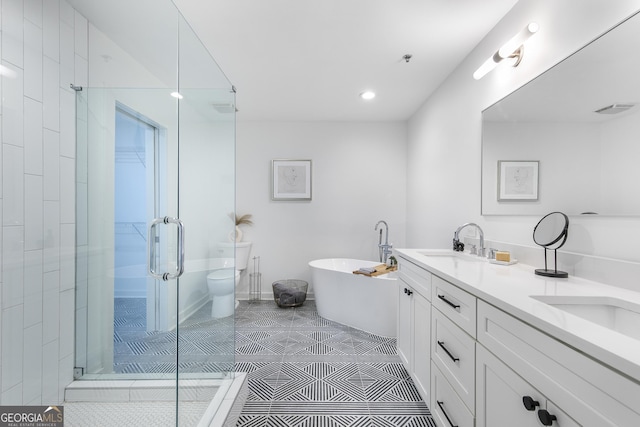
225,273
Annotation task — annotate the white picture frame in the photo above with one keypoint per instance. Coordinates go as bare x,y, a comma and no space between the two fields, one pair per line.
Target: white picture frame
290,180
518,180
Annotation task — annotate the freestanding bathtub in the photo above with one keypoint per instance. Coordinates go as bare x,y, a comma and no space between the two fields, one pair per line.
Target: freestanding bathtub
366,303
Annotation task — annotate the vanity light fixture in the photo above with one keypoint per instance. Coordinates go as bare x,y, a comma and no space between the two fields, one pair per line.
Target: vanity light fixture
368,95
514,49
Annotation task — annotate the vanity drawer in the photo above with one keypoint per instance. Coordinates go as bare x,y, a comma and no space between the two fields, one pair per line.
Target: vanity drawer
456,304
446,407
454,351
418,278
588,391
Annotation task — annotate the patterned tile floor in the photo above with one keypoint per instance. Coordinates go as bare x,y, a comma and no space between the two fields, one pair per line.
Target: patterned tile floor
304,370
206,344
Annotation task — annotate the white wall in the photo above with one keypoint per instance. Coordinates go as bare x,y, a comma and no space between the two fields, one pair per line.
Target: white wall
44,44
358,179
443,180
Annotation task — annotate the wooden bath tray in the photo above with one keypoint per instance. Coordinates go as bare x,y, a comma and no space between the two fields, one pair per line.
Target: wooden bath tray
380,269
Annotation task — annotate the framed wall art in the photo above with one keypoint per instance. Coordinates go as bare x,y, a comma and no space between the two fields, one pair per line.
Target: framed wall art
290,179
517,180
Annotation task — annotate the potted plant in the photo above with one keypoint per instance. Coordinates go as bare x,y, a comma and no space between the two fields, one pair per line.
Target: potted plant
236,235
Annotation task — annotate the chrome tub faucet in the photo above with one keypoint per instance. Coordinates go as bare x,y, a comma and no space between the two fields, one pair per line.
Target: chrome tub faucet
384,249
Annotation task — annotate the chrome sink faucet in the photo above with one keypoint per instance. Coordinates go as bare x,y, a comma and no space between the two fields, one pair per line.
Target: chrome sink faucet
459,247
384,249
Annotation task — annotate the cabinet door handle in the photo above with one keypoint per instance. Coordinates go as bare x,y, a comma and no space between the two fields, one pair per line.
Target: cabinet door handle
529,403
441,344
546,418
409,292
441,405
443,298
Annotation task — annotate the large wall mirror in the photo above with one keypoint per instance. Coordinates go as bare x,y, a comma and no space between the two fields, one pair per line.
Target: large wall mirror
545,147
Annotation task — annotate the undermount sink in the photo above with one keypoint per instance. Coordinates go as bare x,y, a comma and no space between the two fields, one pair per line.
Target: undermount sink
612,313
450,253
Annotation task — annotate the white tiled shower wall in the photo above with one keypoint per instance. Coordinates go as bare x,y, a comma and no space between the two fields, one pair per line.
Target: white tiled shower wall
43,51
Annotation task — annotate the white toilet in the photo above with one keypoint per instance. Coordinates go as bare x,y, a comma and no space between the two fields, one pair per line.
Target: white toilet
223,277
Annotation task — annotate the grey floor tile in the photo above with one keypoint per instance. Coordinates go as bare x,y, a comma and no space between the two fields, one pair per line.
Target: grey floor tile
328,375
302,370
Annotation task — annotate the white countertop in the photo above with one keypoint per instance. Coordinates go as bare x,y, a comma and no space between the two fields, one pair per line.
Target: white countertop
510,287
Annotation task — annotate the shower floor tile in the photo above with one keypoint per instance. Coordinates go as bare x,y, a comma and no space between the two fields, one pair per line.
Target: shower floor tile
205,345
118,414
304,370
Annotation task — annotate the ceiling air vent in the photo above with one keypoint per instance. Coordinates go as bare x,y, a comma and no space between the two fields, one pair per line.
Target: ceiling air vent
614,108
225,108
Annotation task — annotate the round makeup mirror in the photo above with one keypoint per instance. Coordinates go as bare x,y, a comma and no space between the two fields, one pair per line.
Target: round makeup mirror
551,233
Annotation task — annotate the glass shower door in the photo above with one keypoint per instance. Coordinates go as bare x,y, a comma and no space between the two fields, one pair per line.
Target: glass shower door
125,169
155,189
206,199
155,171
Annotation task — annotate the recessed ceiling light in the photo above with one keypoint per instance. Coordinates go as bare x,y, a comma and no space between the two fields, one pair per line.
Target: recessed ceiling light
367,95
177,95
7,72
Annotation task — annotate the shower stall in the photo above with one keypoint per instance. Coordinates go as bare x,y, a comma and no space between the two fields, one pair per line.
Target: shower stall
155,175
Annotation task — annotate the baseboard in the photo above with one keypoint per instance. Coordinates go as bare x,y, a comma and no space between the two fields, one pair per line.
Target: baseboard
189,311
265,296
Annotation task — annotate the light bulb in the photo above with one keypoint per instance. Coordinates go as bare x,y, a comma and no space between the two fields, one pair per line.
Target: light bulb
367,95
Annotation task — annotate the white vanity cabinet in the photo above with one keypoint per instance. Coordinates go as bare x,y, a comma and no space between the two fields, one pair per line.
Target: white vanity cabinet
447,409
414,320
454,351
516,361
488,367
507,399
456,304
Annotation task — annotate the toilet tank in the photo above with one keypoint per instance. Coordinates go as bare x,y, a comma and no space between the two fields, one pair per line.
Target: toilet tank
240,250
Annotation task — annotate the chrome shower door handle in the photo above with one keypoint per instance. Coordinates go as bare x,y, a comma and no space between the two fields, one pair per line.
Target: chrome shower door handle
180,248
151,244
151,249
